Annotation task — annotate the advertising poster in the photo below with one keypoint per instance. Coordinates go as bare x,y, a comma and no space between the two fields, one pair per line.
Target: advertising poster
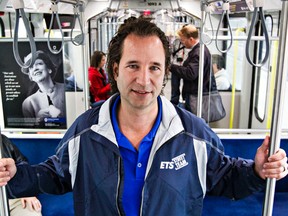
33,97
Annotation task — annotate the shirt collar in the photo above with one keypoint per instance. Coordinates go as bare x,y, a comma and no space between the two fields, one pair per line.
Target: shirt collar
150,135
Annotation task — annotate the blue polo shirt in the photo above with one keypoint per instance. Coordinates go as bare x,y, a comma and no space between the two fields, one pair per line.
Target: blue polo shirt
135,162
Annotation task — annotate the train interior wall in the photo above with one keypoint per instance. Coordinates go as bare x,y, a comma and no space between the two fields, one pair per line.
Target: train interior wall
38,149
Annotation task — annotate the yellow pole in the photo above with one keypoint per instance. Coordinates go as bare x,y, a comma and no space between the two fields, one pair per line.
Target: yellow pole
234,78
272,84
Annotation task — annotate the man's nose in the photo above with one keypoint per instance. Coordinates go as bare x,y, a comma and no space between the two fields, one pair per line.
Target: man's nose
143,77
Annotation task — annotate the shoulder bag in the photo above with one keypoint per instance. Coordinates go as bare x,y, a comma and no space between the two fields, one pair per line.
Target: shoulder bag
212,106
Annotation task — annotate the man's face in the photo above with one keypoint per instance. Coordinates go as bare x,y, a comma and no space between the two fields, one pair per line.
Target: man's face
187,42
214,68
39,71
141,70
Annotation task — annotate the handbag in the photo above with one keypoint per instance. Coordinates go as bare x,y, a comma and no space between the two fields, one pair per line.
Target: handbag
212,106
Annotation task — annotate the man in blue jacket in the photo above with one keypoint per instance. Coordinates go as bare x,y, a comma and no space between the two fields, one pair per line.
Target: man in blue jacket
138,154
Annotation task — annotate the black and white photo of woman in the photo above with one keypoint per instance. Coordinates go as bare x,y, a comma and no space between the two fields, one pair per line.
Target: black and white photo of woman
49,100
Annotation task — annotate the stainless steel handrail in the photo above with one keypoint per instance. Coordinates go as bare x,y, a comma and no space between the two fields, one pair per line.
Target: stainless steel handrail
4,207
278,106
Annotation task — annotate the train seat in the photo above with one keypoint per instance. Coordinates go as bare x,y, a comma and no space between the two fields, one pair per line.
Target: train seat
37,150
253,204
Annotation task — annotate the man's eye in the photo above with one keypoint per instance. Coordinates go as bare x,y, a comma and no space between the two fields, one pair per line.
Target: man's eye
154,68
133,66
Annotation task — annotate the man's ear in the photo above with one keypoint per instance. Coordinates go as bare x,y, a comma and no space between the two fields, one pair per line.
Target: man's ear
115,70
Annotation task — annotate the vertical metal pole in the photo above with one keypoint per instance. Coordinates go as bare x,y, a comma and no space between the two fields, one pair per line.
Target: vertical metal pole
85,52
4,207
201,63
276,127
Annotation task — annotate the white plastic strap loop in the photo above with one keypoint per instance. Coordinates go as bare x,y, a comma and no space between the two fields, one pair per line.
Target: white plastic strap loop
18,4
208,9
258,3
54,8
226,6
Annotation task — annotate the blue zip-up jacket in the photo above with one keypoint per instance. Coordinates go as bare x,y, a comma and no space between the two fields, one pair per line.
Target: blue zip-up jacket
186,162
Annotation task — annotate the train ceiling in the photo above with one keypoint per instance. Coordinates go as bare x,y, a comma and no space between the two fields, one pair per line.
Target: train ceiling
43,6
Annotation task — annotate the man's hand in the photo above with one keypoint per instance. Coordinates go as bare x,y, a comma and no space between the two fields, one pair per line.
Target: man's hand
32,203
7,170
274,166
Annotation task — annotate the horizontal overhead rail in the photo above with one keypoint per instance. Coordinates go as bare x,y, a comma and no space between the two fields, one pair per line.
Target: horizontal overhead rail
244,38
74,2
246,131
227,133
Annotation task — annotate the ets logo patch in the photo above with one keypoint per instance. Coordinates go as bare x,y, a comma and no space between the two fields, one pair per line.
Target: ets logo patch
176,163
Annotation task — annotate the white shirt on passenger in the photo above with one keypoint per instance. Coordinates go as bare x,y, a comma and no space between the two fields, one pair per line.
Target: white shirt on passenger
222,79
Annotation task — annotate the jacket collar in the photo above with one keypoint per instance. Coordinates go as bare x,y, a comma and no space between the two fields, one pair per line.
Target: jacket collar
169,126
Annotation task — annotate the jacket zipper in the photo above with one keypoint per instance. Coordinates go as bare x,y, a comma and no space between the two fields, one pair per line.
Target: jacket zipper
118,186
142,200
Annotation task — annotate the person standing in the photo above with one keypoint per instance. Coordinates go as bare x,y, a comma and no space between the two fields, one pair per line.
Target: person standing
137,153
179,54
99,88
189,71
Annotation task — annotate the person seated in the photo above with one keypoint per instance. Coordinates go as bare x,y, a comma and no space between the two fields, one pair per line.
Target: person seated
99,87
220,74
25,206
70,82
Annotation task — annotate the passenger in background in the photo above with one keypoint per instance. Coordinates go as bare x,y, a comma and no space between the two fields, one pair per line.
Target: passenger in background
26,206
70,82
179,54
221,75
49,100
99,86
189,71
